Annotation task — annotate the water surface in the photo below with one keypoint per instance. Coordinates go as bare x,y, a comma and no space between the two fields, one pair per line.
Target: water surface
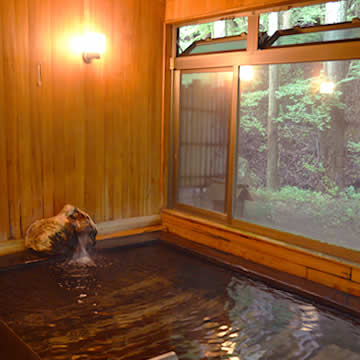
140,302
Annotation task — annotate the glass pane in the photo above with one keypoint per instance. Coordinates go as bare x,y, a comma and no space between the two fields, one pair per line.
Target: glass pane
217,47
333,35
298,150
188,34
205,102
319,14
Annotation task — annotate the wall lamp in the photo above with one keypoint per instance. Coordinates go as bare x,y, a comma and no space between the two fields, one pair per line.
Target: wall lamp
92,45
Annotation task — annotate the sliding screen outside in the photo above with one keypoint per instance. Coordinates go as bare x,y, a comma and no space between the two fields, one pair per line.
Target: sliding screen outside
205,105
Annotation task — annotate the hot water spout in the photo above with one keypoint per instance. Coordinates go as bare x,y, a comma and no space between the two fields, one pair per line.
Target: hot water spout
72,233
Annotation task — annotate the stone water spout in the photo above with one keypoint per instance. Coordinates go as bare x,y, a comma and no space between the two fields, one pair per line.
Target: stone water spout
72,233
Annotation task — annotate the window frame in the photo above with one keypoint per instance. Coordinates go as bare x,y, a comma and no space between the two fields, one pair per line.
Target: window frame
222,217
317,52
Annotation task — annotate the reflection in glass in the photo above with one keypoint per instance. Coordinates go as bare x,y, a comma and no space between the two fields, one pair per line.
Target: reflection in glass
305,38
188,34
203,47
298,150
205,101
333,12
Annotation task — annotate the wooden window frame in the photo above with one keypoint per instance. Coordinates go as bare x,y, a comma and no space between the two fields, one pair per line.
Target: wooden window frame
333,51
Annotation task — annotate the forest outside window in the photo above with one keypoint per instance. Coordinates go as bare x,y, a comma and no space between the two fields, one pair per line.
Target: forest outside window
327,22
271,144
298,150
233,31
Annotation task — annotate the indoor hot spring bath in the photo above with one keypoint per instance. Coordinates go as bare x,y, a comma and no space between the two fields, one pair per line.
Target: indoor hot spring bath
142,301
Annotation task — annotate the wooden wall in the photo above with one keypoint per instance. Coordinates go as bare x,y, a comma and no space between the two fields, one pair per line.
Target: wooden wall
90,134
187,10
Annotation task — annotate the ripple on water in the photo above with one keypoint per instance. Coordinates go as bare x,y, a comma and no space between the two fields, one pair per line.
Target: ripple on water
141,302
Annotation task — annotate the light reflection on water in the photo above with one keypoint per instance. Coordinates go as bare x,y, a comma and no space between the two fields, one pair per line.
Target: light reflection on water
141,302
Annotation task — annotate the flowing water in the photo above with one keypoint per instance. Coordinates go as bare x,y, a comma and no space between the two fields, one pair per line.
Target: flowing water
140,302
81,257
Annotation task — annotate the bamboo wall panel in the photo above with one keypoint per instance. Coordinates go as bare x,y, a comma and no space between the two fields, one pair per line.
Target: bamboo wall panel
186,10
204,126
90,134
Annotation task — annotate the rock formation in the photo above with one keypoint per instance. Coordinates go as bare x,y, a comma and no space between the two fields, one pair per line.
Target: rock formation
72,231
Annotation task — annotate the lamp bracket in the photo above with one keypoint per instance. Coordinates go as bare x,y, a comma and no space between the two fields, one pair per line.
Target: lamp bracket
88,57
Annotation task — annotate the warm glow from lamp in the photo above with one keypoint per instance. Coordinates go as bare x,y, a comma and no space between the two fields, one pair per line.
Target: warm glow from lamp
94,43
91,45
246,72
327,87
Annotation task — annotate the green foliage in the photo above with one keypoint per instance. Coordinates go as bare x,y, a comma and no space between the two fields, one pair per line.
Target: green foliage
191,33
315,205
304,123
353,147
309,15
302,105
249,109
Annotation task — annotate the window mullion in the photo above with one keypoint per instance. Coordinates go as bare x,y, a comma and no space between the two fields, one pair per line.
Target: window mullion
232,144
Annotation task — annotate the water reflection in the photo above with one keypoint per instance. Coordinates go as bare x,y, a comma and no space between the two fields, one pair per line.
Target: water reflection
271,325
153,300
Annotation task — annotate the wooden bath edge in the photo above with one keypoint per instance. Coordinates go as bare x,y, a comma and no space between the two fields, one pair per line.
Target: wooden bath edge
330,280
106,230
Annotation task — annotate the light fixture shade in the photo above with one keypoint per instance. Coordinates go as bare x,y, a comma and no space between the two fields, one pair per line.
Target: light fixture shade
91,45
94,43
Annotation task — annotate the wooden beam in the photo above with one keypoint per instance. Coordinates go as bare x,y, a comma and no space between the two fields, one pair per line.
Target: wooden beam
324,269
107,230
131,232
115,226
178,11
294,54
165,114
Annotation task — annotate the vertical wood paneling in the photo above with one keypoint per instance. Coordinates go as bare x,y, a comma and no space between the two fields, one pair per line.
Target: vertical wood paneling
117,91
27,161
90,134
58,102
4,210
41,20
185,10
11,75
71,85
94,114
109,104
32,112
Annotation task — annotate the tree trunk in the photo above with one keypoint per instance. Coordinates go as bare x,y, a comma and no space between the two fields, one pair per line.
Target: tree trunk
272,172
333,139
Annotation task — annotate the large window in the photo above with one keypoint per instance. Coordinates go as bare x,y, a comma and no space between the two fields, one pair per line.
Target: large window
268,139
298,150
